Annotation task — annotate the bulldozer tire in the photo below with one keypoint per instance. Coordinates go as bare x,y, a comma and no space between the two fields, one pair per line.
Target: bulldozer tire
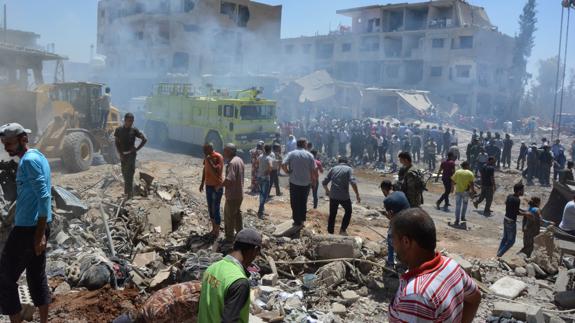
215,139
77,152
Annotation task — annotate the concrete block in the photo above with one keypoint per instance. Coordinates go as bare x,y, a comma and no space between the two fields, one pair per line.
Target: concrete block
513,261
143,259
270,280
564,277
466,265
350,296
530,270
332,247
338,309
523,312
508,287
160,220
26,302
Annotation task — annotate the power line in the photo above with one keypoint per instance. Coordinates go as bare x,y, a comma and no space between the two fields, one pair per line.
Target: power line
557,74
564,71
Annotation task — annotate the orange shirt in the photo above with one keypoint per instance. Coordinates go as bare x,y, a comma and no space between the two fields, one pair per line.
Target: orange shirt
214,175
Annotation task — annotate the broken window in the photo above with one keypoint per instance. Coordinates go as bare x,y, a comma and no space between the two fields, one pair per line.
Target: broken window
438,42
466,42
188,5
243,16
346,47
181,60
164,31
289,49
228,9
374,25
370,44
463,71
102,13
396,20
436,71
306,48
324,51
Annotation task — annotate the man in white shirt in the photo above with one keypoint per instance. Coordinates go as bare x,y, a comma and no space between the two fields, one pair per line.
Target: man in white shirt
568,222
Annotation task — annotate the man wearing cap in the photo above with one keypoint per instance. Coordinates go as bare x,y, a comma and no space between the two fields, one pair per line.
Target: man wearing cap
394,202
225,295
25,248
125,145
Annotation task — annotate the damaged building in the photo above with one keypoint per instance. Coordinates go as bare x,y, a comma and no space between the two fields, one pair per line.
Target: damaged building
447,47
148,41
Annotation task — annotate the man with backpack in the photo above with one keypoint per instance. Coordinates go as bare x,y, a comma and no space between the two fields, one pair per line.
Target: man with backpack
411,180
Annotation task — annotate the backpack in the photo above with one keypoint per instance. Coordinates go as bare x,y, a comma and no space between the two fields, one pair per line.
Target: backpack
420,182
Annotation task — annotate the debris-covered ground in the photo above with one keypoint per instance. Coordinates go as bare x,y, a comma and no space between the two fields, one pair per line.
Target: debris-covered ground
302,276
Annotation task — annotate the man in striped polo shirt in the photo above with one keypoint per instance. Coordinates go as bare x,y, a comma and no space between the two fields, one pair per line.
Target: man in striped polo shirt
435,288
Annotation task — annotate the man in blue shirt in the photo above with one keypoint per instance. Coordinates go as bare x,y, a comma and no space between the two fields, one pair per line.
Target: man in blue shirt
25,248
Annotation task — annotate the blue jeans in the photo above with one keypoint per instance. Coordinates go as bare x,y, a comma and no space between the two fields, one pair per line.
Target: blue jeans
264,185
214,198
509,233
461,200
390,251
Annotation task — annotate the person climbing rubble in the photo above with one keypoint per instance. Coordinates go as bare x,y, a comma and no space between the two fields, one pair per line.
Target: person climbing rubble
225,295
341,177
25,248
234,192
125,145
434,288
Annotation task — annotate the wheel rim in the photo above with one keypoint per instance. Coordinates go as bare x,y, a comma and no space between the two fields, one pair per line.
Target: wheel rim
85,153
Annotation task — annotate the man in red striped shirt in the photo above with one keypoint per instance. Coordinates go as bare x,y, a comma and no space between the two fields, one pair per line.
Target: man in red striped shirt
435,288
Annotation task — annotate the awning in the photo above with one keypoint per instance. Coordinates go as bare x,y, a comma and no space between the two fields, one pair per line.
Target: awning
418,101
316,87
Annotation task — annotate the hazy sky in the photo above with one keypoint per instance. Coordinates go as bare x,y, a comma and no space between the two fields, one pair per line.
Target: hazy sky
71,24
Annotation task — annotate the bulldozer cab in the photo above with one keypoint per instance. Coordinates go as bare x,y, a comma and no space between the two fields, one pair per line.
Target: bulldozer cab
81,100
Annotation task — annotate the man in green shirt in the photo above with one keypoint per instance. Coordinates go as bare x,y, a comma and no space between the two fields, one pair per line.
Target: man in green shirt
225,295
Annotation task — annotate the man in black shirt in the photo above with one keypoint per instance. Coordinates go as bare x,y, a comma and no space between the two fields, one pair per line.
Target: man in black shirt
566,174
487,186
125,144
512,210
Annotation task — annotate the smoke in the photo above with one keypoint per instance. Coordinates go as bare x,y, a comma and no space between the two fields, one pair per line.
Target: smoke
146,42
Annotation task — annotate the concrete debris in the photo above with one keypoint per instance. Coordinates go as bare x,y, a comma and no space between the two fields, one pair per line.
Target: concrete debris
333,247
270,280
508,287
350,296
160,220
520,272
466,265
68,201
513,260
287,229
339,309
526,313
545,254
63,288
143,259
332,274
566,299
530,271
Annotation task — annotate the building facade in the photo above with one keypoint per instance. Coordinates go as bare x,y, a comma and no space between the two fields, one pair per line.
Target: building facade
448,47
147,41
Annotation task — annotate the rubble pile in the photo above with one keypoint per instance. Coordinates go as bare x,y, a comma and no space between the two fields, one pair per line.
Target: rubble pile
111,255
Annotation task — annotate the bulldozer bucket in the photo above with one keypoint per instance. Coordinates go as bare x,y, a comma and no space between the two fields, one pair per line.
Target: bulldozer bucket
560,195
26,108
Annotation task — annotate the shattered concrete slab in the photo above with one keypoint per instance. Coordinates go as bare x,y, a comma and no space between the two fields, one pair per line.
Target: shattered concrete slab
508,287
524,312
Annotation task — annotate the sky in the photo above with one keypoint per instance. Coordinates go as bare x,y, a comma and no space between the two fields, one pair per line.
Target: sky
72,24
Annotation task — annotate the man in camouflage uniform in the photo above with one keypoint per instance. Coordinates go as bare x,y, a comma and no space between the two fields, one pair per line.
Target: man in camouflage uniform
430,150
409,180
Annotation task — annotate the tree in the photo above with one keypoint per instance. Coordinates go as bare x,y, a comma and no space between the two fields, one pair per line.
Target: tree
524,43
544,90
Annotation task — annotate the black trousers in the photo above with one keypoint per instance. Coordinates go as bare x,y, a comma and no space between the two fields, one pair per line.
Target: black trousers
298,200
445,197
274,181
19,255
128,164
333,205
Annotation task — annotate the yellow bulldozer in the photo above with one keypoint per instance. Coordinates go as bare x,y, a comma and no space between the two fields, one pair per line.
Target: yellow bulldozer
65,117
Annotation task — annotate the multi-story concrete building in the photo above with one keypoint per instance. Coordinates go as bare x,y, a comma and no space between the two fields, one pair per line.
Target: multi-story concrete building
147,41
448,47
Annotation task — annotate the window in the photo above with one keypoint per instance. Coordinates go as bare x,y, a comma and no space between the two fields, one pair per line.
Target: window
370,44
373,25
306,48
228,9
139,35
324,51
392,71
289,49
164,31
257,112
229,111
191,28
243,16
466,42
436,71
102,13
188,5
463,71
438,42
346,47
181,60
